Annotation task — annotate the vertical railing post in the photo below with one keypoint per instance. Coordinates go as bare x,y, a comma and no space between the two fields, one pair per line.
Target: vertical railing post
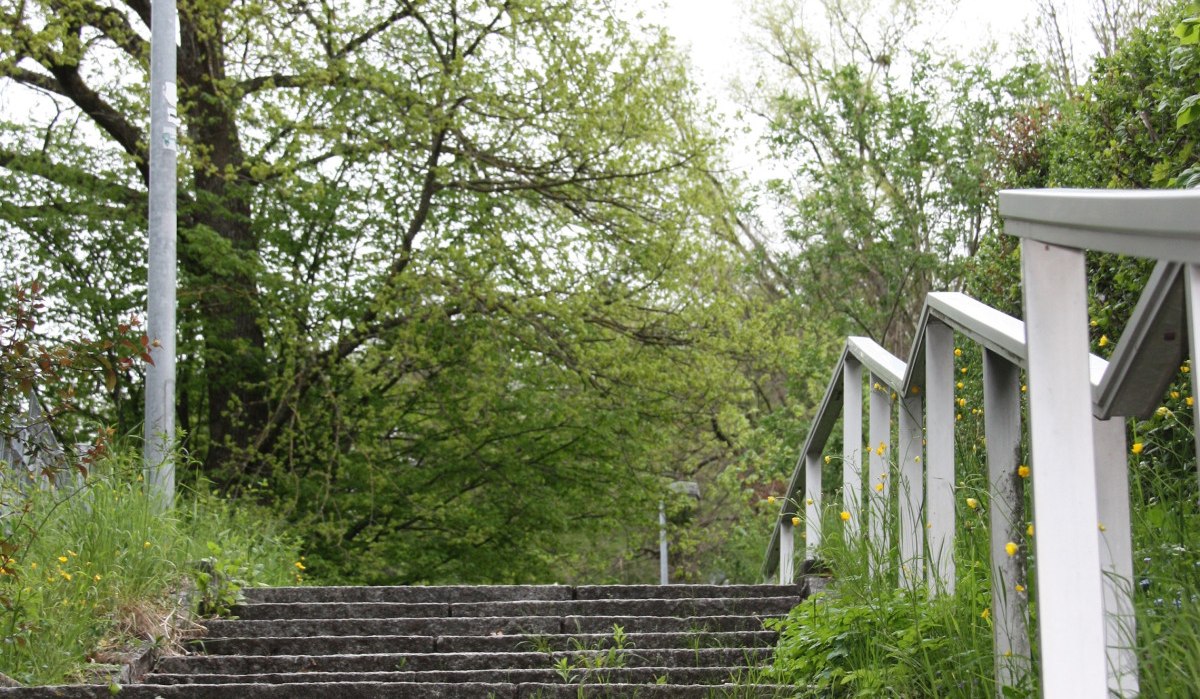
1191,283
787,553
1116,555
939,455
1070,589
879,446
1006,491
911,486
852,440
812,504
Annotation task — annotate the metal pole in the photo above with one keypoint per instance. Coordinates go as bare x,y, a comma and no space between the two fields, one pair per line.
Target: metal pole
663,579
160,289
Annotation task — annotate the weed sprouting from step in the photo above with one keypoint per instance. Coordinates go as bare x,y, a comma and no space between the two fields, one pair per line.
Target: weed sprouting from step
584,662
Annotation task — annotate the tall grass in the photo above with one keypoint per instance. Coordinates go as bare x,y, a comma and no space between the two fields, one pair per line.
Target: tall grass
95,569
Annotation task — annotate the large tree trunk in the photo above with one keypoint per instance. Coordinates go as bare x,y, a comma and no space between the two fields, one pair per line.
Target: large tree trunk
225,257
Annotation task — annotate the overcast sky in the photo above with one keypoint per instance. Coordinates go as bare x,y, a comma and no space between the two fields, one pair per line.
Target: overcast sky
714,32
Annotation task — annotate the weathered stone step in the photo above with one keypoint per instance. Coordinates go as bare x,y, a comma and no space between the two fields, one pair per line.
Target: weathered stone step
701,606
482,626
405,690
425,662
543,675
341,645
500,593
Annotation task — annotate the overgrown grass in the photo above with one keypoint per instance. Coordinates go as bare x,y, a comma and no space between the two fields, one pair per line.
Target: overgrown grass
91,571
867,637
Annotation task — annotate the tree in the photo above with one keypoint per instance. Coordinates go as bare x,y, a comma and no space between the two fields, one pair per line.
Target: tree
444,287
887,149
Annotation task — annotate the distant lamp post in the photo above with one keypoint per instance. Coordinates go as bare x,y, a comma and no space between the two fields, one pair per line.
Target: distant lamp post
690,488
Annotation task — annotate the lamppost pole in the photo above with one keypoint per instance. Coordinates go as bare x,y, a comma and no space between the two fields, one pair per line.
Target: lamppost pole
160,290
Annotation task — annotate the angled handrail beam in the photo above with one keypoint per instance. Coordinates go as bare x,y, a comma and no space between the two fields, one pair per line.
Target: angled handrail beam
886,366
822,426
1151,349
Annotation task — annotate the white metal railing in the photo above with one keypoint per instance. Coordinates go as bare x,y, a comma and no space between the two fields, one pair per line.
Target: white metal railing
1077,407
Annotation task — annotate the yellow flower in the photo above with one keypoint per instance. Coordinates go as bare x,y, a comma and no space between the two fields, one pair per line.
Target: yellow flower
71,553
1190,401
96,577
62,559
878,487
957,352
962,402
1137,447
972,503
1023,471
1162,411
808,501
299,565
962,370
33,566
1174,395
881,449
1011,549
1102,527
916,390
145,544
845,516
958,416
828,459
877,387
1024,388
1094,322
1185,368
65,574
770,499
1103,341
1019,587
987,612
959,385
1029,530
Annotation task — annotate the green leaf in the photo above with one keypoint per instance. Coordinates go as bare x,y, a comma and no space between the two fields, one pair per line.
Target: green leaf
1189,112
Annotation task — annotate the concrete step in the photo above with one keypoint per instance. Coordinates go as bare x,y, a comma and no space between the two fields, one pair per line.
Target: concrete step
342,645
543,675
406,690
481,626
692,606
501,593
426,662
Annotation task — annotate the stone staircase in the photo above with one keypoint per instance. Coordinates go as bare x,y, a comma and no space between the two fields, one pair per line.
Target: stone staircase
506,642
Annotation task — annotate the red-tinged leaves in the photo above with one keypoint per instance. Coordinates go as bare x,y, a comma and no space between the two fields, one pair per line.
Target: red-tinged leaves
145,357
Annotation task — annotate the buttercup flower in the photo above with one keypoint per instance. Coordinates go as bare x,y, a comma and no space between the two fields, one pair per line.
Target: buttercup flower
795,521
845,516
1011,549
1023,471
972,503
1137,447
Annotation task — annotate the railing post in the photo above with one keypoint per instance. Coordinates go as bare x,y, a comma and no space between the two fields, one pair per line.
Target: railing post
852,439
911,486
1002,426
812,504
787,550
939,455
1191,283
1070,597
1116,555
877,474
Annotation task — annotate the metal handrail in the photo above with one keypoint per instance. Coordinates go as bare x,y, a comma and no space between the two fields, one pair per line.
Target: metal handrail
1083,579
